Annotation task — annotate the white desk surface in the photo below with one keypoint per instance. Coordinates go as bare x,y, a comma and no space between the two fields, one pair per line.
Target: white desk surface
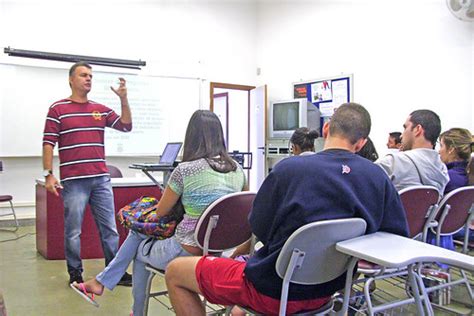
121,182
393,251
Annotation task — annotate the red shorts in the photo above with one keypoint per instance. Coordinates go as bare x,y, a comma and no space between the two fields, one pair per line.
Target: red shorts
222,281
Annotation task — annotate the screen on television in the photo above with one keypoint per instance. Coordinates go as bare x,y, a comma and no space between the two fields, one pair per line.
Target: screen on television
285,116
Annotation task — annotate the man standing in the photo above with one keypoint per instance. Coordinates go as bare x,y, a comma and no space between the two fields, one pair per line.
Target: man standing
418,163
77,124
332,184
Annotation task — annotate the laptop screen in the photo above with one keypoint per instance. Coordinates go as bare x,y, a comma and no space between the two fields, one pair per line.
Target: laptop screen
170,153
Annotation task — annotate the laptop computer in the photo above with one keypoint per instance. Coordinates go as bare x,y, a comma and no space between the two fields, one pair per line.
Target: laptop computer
167,159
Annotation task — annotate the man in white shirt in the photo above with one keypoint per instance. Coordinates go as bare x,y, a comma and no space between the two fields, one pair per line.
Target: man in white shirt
418,163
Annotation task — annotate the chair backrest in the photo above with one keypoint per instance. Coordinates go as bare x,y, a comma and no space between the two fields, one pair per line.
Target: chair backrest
224,224
322,262
419,201
455,209
114,172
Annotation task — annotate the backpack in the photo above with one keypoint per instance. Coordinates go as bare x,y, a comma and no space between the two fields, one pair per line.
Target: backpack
140,216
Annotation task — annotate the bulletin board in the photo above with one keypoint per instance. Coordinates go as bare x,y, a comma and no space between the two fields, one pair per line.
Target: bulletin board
326,93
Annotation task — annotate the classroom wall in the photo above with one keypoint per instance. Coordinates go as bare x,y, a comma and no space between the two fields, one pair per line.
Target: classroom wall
404,55
214,40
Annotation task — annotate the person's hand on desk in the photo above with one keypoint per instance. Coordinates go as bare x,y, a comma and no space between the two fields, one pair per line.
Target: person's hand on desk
52,184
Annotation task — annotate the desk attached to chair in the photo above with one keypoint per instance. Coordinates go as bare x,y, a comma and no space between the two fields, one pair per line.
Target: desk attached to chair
393,251
50,218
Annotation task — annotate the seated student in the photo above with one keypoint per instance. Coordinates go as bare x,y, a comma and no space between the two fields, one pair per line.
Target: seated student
470,173
418,163
460,235
394,142
331,184
368,151
455,151
206,174
302,141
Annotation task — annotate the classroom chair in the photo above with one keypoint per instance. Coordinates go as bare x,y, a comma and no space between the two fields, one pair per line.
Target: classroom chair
304,261
9,198
455,211
393,251
222,226
420,203
114,172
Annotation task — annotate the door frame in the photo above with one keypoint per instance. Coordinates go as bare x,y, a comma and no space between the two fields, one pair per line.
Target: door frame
230,86
226,96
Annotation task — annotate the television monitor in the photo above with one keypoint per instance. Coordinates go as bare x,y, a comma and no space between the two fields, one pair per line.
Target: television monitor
286,116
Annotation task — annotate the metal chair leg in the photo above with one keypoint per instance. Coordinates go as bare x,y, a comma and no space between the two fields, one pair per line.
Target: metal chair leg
17,225
14,215
468,286
416,292
148,289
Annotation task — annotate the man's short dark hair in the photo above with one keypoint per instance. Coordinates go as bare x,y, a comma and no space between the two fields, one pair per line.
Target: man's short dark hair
78,64
397,137
352,121
430,122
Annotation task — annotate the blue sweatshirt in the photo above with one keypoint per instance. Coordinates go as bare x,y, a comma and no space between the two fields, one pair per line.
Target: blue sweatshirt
328,185
457,175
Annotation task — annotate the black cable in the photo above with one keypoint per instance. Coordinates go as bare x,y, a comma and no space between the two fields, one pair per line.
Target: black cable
19,237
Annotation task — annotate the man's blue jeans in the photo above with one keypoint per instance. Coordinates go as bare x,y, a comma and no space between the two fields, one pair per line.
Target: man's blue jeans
97,192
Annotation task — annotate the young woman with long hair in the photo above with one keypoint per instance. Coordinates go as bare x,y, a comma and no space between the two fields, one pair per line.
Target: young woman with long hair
205,174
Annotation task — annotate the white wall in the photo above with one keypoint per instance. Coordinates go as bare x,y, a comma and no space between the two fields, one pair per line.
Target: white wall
404,55
214,40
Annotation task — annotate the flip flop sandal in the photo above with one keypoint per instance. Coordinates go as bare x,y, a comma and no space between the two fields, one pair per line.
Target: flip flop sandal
89,297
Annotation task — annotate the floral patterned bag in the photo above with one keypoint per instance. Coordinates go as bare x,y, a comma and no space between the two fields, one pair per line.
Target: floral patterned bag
140,216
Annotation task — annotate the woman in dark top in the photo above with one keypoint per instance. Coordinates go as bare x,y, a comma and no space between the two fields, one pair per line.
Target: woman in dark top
455,151
455,148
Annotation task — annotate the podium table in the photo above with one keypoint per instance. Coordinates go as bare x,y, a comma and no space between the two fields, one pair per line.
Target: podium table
50,218
148,168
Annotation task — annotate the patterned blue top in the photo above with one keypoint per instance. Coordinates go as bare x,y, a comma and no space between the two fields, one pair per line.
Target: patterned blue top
199,185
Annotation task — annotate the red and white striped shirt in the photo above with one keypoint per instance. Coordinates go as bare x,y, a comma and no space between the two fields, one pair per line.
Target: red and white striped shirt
78,128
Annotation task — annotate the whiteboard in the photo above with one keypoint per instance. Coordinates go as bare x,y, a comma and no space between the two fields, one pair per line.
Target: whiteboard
161,108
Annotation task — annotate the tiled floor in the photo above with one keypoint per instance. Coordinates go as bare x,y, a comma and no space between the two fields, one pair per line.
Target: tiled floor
33,285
